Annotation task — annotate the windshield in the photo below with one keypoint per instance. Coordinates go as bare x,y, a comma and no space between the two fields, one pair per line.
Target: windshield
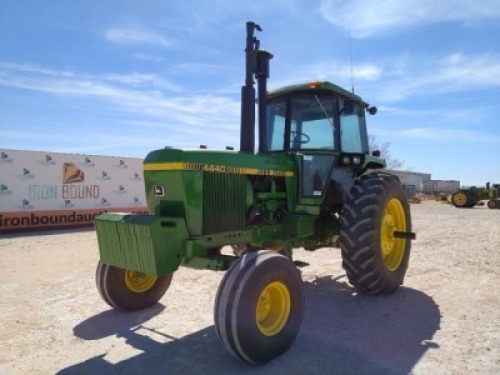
311,123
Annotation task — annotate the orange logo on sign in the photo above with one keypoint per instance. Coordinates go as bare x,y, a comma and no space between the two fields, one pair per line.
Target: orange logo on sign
71,173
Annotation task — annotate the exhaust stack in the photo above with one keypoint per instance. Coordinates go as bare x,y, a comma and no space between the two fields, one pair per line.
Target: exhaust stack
256,63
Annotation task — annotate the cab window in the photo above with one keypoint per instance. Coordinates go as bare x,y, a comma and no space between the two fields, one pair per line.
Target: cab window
276,116
353,136
312,123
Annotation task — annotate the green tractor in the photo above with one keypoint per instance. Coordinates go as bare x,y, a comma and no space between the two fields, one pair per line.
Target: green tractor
493,195
467,198
307,186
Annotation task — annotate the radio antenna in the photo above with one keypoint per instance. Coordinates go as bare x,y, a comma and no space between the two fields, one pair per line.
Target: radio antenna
350,55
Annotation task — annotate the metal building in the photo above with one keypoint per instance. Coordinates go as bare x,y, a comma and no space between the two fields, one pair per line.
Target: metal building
441,186
423,183
408,178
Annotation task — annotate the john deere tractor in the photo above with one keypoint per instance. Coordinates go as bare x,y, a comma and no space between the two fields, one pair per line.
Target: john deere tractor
312,183
467,198
493,195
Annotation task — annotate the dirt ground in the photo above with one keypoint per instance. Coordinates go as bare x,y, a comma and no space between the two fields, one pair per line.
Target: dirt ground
444,320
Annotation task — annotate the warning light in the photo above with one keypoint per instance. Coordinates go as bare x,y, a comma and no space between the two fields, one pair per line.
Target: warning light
314,84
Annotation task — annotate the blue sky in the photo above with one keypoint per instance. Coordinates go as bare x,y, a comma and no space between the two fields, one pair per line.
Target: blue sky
126,77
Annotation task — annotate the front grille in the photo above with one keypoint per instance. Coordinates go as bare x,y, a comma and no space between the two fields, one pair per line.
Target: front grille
223,202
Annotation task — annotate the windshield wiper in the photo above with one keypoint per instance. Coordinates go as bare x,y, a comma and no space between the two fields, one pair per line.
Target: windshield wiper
324,112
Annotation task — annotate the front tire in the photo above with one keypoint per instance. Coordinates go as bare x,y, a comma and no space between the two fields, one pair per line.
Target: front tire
259,306
375,260
129,290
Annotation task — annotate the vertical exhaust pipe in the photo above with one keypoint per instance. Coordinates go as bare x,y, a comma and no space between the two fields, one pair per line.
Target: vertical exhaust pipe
256,63
247,128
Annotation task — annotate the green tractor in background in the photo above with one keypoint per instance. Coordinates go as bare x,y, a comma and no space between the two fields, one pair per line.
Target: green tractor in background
307,186
467,198
493,195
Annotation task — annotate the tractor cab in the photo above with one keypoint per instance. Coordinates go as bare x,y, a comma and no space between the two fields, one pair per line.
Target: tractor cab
314,117
324,127
318,124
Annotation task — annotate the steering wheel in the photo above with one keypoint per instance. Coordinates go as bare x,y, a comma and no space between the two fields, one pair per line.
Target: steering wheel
303,138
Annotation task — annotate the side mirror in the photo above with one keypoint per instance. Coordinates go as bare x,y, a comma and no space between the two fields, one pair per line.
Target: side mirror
372,110
376,153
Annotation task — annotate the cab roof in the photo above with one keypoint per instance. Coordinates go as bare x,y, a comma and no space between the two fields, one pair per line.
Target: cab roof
316,86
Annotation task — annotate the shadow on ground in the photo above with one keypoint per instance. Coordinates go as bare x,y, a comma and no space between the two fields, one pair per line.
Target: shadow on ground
113,322
342,333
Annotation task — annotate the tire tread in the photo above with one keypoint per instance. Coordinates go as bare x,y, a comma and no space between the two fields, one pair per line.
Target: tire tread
359,236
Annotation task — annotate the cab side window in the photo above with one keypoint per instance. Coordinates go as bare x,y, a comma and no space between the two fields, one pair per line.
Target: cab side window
353,136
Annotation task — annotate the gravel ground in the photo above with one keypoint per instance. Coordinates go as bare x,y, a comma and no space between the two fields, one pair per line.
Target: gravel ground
444,320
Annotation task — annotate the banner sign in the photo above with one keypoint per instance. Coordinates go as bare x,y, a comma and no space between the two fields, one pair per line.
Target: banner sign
41,190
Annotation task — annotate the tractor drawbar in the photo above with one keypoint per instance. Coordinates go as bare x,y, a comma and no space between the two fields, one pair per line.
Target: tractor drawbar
405,235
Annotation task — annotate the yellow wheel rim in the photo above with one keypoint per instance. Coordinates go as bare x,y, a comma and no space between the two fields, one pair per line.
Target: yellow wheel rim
460,199
393,220
138,282
273,308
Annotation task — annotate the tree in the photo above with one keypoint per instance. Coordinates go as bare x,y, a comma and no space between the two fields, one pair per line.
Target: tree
391,162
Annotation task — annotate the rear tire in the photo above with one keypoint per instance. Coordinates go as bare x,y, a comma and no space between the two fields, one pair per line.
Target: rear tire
374,260
128,290
493,204
259,306
462,199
